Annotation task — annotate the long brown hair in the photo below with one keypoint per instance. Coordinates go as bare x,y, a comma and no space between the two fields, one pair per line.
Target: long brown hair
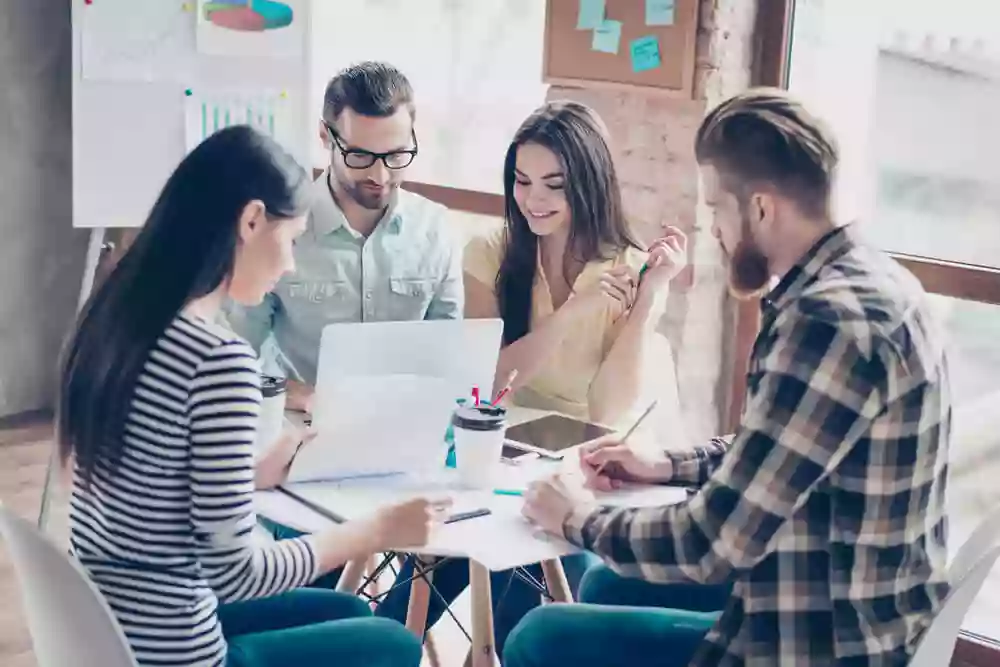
598,227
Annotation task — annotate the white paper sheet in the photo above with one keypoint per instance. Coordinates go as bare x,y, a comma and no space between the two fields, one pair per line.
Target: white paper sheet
642,495
137,40
500,540
252,28
377,425
206,112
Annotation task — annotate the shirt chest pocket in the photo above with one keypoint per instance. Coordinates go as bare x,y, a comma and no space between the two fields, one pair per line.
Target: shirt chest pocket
318,291
409,298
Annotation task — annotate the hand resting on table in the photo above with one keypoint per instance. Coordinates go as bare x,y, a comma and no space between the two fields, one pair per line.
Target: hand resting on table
406,525
607,463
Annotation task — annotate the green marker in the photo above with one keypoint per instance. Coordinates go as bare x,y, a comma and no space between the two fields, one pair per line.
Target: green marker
508,492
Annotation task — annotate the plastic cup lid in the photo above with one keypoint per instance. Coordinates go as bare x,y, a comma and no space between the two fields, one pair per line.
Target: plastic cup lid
480,417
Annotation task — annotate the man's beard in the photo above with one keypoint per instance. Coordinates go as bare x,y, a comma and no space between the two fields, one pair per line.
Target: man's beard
368,200
749,269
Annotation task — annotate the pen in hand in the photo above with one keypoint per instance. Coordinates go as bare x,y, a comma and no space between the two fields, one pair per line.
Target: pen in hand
630,431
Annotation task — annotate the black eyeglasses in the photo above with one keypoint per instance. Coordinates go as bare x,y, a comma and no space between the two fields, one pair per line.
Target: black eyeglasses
356,158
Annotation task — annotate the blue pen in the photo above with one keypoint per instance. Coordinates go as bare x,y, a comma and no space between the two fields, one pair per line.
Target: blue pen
508,492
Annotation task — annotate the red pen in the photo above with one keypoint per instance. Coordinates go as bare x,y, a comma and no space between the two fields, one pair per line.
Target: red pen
506,388
475,395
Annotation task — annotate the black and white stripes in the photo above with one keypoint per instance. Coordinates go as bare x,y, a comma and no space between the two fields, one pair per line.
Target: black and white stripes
167,534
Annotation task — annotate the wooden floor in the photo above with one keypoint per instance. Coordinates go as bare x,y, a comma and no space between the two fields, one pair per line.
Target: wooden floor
24,448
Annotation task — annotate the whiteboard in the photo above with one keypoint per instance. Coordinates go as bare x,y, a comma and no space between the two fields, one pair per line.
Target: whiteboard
136,66
476,70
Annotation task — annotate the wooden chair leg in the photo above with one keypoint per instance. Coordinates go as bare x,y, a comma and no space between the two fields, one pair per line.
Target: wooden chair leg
420,598
430,649
555,581
483,651
373,589
351,578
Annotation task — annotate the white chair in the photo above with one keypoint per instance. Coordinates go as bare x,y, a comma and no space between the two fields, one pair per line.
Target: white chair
967,572
986,535
69,620
938,643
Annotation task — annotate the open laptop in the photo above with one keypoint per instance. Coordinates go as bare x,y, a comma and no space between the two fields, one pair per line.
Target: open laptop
386,390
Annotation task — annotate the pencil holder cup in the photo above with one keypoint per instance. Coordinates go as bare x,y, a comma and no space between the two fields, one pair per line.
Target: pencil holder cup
272,412
479,434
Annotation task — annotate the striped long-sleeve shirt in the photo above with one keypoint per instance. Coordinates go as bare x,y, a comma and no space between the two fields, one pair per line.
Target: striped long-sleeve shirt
166,535
827,509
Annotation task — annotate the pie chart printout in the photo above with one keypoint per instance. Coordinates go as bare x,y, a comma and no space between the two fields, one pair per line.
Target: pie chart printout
248,15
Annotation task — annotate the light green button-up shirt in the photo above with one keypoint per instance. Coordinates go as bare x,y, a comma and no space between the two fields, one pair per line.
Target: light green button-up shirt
409,268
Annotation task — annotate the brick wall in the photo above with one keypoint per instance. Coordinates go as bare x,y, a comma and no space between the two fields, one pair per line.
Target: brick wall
653,144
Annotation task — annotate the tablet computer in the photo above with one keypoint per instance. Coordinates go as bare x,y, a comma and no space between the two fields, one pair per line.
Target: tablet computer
554,433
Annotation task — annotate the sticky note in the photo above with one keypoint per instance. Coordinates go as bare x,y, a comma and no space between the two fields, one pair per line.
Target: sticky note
645,53
607,37
659,12
591,15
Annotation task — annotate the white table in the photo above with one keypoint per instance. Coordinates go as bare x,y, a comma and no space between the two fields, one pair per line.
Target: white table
500,541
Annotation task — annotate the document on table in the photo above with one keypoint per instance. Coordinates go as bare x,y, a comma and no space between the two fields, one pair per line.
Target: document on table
499,540
642,495
377,425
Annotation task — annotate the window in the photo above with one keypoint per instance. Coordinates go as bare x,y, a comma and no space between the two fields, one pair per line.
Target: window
911,90
475,69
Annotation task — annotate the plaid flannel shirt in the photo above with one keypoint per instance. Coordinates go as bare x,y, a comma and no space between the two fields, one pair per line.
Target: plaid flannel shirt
827,510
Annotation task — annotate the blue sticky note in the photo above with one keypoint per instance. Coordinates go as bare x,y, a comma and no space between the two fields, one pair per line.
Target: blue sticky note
659,12
607,37
591,15
645,54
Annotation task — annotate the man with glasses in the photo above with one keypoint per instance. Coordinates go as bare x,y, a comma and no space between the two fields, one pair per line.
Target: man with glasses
373,252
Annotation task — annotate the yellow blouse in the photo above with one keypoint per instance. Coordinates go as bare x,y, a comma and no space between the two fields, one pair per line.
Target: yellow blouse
563,383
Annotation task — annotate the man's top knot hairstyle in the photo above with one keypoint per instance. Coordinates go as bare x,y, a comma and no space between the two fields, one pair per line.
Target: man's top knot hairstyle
763,137
370,88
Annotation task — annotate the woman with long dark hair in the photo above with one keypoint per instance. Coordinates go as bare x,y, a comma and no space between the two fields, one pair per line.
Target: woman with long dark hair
157,414
563,273
564,276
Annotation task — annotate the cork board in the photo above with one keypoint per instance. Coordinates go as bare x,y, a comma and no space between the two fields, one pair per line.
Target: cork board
570,58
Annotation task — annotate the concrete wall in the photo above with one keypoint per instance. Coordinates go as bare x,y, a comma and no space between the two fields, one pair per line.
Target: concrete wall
41,256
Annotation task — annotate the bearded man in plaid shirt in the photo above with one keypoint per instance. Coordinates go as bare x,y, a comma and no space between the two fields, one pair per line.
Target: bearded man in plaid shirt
817,534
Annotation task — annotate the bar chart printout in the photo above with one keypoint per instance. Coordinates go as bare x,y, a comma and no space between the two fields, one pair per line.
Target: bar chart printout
206,114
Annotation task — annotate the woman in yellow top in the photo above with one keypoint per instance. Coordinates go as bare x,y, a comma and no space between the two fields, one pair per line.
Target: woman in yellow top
563,273
564,276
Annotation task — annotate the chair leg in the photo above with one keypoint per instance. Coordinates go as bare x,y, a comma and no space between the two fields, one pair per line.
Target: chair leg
373,589
433,659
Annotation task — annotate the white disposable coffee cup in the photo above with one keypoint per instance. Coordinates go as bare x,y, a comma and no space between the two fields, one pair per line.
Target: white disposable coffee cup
272,411
479,434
